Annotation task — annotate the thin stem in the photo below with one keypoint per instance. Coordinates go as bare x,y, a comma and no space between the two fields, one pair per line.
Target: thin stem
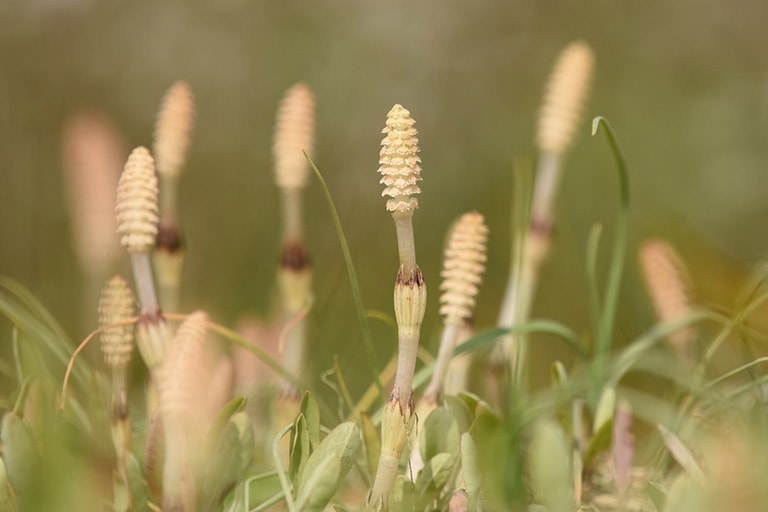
292,222
444,355
405,243
145,286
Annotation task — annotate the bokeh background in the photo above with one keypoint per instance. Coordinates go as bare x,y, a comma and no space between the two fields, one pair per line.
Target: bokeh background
684,83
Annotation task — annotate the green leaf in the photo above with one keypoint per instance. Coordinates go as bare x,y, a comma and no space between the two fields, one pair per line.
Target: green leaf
439,434
550,467
300,447
228,455
609,303
225,413
434,477
681,453
600,441
559,374
371,444
137,485
403,495
327,466
27,313
311,413
471,470
460,412
20,453
605,408
6,493
688,494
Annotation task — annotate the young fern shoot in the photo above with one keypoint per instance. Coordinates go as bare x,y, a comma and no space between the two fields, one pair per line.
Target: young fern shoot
399,165
559,118
137,217
173,130
294,136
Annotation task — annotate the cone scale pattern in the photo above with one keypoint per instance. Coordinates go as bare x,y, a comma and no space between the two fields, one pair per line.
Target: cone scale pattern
565,97
399,162
294,135
116,305
173,129
463,267
136,207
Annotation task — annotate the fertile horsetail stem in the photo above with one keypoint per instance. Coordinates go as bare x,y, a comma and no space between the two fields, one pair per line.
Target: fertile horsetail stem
173,131
137,217
463,267
399,165
293,137
562,106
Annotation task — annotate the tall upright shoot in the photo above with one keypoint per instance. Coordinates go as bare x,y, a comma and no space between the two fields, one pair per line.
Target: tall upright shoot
559,118
173,129
400,169
136,212
294,136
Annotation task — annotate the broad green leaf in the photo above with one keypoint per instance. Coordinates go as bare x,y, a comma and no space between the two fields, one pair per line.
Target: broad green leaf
311,413
327,466
471,400
460,411
439,434
300,447
688,494
320,487
228,456
433,478
550,467
657,493
6,494
20,452
471,470
403,495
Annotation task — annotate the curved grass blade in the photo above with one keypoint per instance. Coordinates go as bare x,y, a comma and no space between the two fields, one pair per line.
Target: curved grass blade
30,316
605,329
356,295
593,245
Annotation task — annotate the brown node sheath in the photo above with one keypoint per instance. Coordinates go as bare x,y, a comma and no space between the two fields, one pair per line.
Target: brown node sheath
169,237
415,277
294,257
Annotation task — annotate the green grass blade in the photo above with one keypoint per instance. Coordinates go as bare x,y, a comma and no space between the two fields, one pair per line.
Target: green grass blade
32,318
353,282
608,316
593,245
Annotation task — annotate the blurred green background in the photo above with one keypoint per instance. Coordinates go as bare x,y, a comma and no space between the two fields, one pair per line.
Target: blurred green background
684,83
